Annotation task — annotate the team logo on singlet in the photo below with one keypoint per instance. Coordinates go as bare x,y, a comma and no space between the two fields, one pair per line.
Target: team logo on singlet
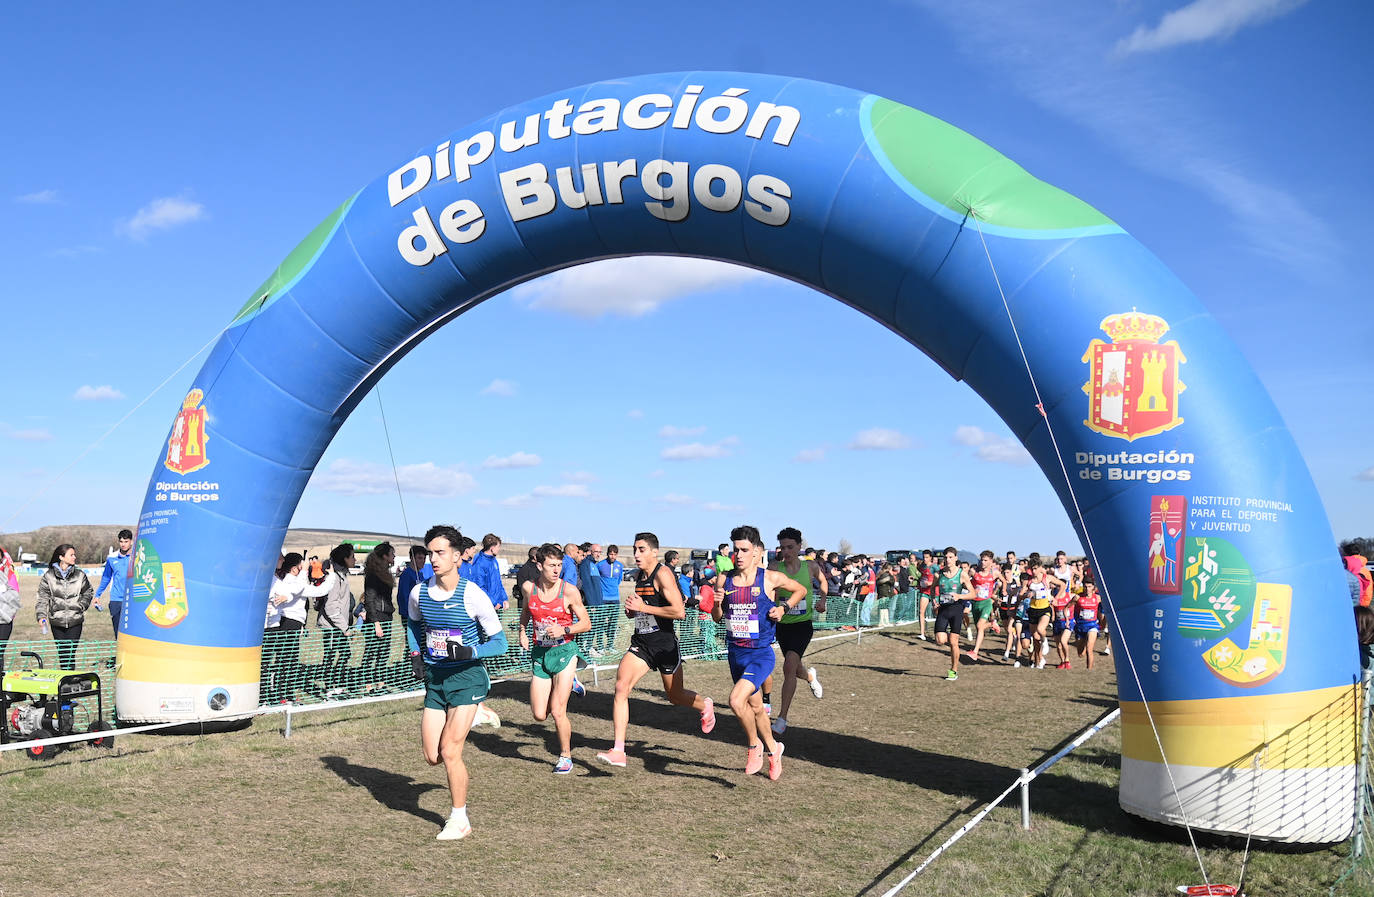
1168,525
186,445
1133,384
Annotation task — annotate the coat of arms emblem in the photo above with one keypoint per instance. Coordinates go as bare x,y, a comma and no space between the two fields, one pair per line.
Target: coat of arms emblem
1133,387
186,445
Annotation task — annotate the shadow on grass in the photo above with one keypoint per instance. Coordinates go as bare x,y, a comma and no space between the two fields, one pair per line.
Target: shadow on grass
390,789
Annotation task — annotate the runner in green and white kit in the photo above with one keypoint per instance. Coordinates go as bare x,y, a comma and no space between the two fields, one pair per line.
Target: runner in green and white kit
795,628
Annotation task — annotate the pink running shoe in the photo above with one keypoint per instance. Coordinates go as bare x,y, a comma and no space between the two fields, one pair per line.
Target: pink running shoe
613,757
753,761
775,763
708,717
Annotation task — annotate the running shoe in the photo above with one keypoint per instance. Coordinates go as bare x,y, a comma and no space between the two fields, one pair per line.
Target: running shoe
563,766
486,717
613,757
753,760
1017,665
775,763
973,656
1107,650
768,708
454,830
922,637
814,681
708,717
1041,664
1006,655
779,725
1066,666
578,688
951,676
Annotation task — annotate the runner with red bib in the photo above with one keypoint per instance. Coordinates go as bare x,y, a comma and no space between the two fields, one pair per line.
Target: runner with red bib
1088,610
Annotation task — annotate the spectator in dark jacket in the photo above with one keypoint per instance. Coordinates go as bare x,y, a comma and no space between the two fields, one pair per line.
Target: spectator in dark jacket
378,584
528,572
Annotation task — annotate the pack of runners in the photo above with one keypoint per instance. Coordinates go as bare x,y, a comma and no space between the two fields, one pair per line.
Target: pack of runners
452,627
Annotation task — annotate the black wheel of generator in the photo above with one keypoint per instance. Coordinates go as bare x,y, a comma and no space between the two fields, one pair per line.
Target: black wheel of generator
104,741
43,751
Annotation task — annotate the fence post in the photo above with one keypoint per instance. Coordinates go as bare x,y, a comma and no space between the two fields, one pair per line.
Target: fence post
1025,799
1366,691
287,733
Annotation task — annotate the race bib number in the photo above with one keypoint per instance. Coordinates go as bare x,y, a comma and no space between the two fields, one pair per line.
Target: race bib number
797,611
984,593
646,623
743,626
438,640
1085,614
543,637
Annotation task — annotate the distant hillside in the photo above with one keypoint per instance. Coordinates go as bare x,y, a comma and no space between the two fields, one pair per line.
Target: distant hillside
92,543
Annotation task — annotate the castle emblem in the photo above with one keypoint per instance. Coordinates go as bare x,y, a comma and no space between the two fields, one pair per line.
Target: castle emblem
1133,386
186,445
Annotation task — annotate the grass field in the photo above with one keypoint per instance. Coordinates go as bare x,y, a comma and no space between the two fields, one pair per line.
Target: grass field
878,773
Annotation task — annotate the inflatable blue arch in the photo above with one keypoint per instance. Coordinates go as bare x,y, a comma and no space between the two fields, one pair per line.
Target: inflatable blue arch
1207,530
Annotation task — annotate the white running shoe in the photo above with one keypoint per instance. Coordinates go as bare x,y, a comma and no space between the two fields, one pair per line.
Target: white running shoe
1041,664
1017,665
768,709
454,830
486,717
779,726
1107,650
1006,655
814,681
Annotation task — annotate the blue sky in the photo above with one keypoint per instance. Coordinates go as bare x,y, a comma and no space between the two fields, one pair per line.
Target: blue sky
159,160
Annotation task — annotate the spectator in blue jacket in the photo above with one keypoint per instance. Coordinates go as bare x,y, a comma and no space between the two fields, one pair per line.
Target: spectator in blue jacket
486,572
570,553
605,621
588,577
119,572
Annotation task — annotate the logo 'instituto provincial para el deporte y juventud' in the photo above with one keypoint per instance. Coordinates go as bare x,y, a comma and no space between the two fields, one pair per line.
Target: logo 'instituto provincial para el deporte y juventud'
1133,386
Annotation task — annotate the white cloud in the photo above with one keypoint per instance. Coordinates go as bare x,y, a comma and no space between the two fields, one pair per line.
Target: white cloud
524,500
717,506
631,286
673,498
697,451
990,447
104,393
519,459
564,490
348,477
1365,474
809,456
1204,20
38,197
161,214
71,252
1058,54
580,476
498,387
669,431
880,439
482,502
31,435
634,414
